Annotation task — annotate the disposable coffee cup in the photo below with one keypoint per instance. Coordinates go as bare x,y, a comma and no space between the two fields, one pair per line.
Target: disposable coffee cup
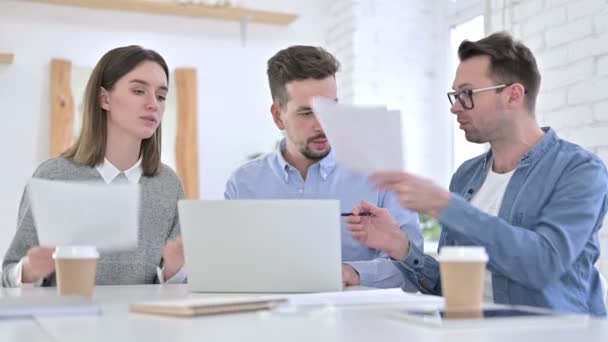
462,278
75,268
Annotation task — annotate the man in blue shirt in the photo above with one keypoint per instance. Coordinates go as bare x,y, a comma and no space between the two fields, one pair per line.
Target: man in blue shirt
305,167
534,201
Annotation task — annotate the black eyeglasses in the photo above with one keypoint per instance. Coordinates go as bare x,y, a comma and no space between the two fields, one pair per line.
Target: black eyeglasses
465,97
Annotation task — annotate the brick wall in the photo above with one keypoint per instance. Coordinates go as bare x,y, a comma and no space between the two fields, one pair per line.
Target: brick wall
392,53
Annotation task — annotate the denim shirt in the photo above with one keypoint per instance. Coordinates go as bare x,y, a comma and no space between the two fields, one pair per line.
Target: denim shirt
544,243
272,177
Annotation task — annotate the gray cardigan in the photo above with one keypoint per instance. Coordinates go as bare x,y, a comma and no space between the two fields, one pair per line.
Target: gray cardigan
158,221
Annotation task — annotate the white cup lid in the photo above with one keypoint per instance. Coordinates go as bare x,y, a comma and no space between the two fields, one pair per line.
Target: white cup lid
463,253
75,252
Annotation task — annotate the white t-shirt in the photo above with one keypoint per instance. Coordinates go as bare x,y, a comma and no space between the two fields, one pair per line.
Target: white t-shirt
489,199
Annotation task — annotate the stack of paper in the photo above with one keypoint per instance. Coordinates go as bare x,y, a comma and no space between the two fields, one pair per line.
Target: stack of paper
366,139
363,297
205,306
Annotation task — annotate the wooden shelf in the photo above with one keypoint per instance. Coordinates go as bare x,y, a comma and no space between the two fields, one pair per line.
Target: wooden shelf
181,9
6,58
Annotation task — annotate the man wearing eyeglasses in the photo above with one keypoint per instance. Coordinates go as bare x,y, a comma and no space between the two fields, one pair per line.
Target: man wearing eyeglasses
534,201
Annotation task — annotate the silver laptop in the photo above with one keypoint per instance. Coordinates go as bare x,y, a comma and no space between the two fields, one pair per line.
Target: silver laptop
262,245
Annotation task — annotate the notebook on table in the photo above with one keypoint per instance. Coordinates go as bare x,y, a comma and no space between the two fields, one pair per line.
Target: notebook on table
206,306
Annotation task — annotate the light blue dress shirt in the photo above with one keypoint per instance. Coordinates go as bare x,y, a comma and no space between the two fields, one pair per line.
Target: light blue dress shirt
271,177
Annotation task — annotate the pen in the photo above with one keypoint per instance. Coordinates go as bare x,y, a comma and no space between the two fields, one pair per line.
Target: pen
360,214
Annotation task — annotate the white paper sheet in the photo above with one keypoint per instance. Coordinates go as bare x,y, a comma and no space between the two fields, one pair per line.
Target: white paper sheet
366,139
92,214
363,297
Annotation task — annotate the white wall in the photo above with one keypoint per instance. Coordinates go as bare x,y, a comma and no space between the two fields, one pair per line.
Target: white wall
570,41
234,99
393,53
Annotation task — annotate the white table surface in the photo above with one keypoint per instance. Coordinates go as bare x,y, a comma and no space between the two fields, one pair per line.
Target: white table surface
355,323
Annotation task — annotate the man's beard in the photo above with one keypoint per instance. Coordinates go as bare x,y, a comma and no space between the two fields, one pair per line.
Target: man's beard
473,136
312,155
315,155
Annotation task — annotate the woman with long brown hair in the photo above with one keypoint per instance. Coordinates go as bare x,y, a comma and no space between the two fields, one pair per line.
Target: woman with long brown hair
120,140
